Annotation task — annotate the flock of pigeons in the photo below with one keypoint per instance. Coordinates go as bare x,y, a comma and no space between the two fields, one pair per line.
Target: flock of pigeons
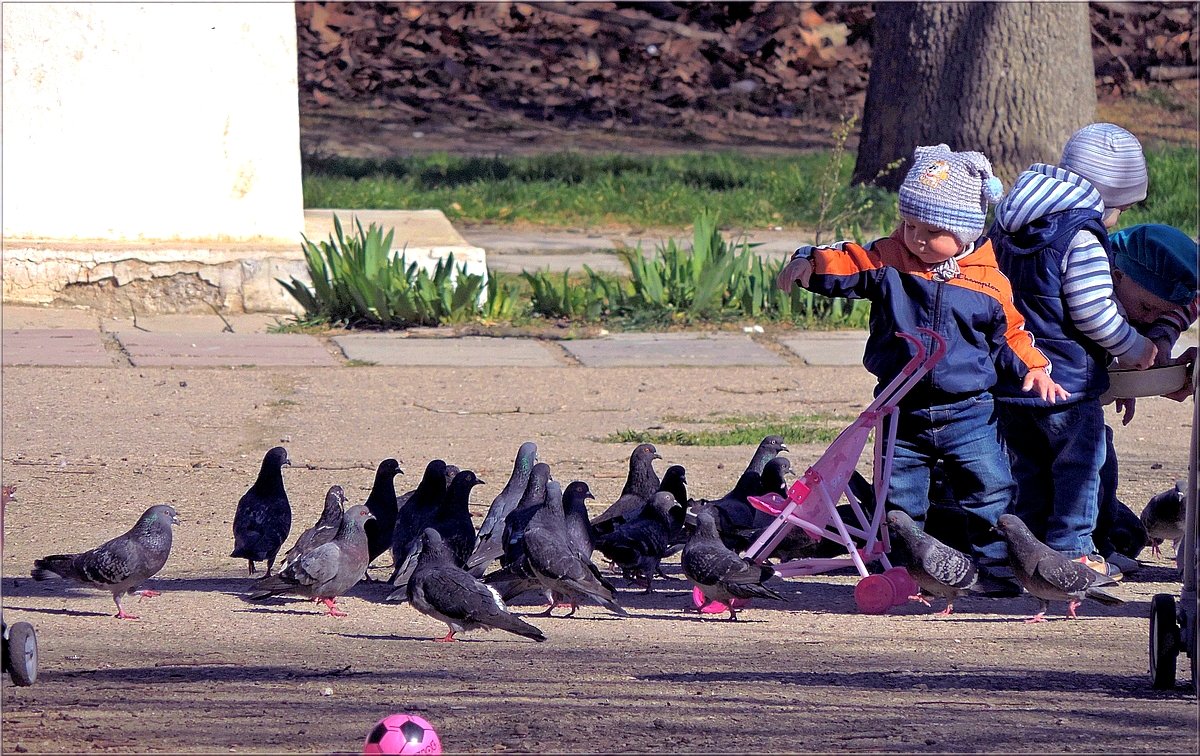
541,538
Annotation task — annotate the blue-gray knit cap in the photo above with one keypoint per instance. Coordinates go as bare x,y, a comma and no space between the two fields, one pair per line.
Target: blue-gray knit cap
1160,259
950,190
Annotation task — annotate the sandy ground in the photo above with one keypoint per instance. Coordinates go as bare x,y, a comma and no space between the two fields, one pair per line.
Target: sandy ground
204,670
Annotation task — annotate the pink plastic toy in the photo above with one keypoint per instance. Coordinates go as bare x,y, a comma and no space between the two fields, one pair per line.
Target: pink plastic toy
812,501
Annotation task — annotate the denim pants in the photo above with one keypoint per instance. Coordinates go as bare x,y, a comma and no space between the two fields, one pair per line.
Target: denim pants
965,436
1056,454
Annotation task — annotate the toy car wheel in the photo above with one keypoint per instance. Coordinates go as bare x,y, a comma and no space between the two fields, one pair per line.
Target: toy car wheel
1164,641
22,654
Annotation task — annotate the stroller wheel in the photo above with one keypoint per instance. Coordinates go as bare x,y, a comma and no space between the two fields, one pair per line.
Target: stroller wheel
1164,641
22,652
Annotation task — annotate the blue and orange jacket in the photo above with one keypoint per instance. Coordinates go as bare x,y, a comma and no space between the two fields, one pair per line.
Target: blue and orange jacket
974,312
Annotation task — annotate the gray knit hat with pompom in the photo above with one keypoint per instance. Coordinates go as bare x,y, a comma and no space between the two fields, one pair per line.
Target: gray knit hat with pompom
950,190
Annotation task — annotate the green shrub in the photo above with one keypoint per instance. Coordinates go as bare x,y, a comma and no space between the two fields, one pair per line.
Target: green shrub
553,296
358,280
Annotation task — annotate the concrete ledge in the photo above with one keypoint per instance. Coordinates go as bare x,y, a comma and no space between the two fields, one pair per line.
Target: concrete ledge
466,351
671,349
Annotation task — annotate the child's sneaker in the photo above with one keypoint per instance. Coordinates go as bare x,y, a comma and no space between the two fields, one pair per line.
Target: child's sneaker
1097,563
1123,563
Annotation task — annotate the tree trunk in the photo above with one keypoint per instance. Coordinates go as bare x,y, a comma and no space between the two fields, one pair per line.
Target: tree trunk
1012,80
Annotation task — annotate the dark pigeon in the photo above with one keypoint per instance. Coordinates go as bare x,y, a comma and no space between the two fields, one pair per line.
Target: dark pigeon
506,501
775,476
441,589
579,527
733,511
382,503
327,571
325,529
641,484
453,519
557,564
1163,516
264,517
940,570
720,574
417,512
1047,574
532,497
674,482
638,545
516,574
1126,531
119,565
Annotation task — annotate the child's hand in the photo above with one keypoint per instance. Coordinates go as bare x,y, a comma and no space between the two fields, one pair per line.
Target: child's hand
1126,408
1141,356
1039,381
798,269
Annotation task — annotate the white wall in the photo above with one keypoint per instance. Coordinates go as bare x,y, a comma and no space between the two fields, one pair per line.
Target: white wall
151,121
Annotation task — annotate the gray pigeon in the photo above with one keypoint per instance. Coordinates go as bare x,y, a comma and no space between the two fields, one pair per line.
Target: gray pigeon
720,574
494,547
416,512
641,484
323,532
940,570
637,546
1163,516
327,571
382,503
264,517
452,521
119,565
1047,574
506,501
558,565
441,589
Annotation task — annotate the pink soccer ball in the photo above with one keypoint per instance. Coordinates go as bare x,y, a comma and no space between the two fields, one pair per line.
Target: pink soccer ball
403,733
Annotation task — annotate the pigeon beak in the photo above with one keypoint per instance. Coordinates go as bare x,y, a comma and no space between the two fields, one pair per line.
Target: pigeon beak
783,447
656,456
480,482
174,519
589,495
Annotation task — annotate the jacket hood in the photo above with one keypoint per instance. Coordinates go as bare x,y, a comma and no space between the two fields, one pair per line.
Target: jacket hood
1045,190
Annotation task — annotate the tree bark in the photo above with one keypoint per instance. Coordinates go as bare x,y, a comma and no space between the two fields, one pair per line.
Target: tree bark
1012,80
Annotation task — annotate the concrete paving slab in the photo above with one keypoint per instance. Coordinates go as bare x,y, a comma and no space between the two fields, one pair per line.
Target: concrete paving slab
467,351
224,349
834,349
242,323
671,349
19,317
70,347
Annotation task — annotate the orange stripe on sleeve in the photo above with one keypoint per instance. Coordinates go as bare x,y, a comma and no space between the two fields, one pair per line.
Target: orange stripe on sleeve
851,259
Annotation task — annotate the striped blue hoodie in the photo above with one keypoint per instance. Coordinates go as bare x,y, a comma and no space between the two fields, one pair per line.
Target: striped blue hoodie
1052,245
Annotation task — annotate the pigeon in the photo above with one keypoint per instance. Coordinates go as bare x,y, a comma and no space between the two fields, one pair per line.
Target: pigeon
506,501
325,529
641,483
774,475
1047,574
579,528
417,510
733,511
327,571
940,570
119,565
557,564
1126,531
382,503
720,574
1163,516
441,589
674,482
264,517
638,545
492,548
453,519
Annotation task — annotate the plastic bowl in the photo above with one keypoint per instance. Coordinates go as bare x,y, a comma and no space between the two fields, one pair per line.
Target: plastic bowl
1156,381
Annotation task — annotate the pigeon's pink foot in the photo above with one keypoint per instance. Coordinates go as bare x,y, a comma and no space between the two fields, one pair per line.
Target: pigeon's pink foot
919,597
947,611
448,639
332,606
147,593
122,614
1071,609
1039,617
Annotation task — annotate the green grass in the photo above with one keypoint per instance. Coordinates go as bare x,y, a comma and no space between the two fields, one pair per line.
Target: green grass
741,431
574,189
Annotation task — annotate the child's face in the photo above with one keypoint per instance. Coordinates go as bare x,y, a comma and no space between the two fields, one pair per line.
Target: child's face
930,244
1141,306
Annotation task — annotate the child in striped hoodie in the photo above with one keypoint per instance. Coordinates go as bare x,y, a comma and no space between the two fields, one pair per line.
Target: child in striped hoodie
1051,240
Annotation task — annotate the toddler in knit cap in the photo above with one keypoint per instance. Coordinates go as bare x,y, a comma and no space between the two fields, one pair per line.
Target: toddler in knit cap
1111,159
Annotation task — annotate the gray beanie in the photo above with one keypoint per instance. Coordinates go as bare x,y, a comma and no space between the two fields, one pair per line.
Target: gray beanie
1111,159
950,190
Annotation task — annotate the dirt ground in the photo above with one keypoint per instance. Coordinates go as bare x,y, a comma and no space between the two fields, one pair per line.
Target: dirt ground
206,671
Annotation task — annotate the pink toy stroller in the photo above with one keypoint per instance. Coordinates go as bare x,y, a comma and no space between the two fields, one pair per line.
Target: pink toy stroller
812,501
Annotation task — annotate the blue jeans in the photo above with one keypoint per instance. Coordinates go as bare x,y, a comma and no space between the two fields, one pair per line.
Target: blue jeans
965,436
1056,454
